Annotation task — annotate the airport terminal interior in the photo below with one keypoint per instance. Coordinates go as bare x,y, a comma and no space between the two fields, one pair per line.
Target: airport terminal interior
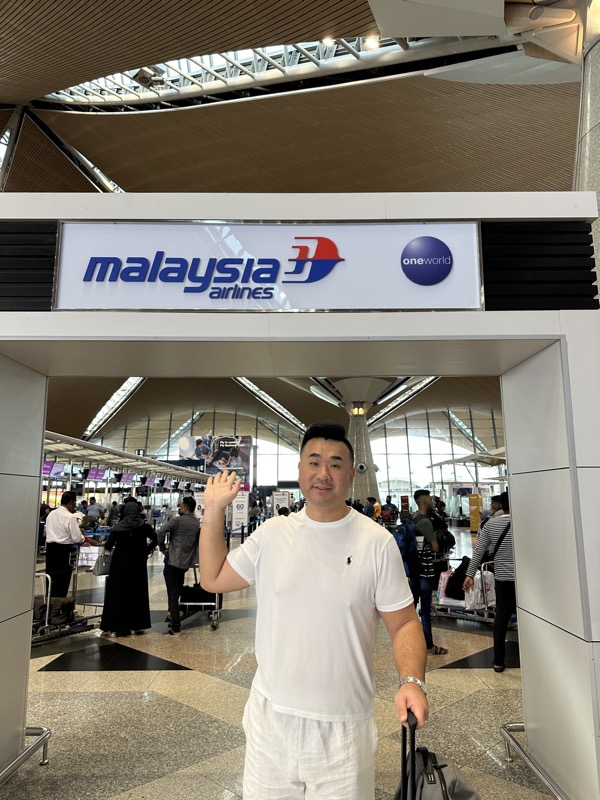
150,716
303,97
141,716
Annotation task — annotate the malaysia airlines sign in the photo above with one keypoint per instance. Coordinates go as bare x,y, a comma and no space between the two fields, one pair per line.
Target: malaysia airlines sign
242,267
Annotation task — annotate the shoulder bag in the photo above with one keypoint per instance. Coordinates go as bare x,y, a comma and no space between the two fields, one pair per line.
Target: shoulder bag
102,565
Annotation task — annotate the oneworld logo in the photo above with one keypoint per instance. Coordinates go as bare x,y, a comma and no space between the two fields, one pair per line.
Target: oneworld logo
222,278
426,260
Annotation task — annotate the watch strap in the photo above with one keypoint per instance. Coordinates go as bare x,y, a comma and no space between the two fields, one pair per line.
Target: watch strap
411,679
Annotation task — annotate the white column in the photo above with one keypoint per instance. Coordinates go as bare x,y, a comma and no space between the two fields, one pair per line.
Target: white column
587,166
553,452
22,416
365,480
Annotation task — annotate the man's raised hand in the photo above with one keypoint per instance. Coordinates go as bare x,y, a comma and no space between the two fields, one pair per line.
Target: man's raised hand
221,490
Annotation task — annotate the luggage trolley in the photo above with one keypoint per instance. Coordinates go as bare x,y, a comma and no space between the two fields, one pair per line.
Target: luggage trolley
481,607
194,598
56,617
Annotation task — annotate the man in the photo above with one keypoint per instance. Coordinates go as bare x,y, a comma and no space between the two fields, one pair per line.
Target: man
95,511
323,578
389,512
427,546
369,507
113,514
496,505
62,533
180,555
376,509
497,536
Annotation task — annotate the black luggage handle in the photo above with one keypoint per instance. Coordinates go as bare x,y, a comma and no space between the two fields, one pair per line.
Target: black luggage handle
412,727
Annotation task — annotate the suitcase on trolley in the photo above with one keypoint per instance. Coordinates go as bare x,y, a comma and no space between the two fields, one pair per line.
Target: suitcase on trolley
62,610
427,776
196,595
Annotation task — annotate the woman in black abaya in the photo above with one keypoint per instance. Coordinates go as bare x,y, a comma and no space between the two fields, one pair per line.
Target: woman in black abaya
126,602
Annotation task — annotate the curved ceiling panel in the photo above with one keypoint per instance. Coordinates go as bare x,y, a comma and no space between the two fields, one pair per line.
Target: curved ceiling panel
161,396
50,46
5,115
481,394
39,166
74,402
411,134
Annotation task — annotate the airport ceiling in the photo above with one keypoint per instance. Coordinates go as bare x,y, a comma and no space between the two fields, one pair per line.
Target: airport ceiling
483,111
73,402
424,113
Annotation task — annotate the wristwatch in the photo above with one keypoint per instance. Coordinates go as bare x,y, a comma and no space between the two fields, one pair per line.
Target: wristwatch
411,679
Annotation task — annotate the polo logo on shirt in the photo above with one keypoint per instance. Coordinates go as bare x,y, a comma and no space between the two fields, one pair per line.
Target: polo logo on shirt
349,560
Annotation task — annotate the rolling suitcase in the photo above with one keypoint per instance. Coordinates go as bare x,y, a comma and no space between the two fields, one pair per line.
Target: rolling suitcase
427,776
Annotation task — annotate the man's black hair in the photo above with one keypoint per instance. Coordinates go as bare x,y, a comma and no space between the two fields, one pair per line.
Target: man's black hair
504,500
421,493
67,497
189,503
327,430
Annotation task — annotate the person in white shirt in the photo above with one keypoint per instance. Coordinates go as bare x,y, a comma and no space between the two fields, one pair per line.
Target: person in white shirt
324,578
62,532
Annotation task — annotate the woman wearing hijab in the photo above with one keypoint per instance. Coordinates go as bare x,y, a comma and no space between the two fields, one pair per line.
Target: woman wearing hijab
126,602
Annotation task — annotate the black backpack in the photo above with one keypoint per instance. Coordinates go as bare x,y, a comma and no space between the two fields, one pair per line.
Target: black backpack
405,536
446,540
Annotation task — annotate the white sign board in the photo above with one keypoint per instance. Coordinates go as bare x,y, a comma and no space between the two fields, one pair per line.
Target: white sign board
280,500
241,267
199,498
239,511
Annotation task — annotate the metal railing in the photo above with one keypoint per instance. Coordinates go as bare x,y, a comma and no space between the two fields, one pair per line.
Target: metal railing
42,736
510,741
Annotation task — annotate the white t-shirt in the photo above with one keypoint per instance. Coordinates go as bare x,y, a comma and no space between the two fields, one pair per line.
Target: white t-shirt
319,587
63,527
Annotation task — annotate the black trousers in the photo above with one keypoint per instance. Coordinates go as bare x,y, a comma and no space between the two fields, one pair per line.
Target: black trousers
58,566
506,606
174,578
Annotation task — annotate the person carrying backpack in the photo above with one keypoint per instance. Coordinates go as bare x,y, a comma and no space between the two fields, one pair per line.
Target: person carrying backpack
497,538
389,513
427,546
405,536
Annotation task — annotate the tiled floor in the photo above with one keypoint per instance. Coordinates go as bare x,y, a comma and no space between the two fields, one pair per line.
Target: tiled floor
152,717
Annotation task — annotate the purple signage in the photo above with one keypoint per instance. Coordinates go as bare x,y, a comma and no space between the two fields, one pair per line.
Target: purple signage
150,480
95,474
127,478
168,483
52,469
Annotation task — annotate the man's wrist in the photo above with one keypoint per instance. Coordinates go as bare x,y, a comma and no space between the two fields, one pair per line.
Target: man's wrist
417,681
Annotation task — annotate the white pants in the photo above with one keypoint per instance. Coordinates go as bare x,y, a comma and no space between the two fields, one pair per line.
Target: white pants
288,757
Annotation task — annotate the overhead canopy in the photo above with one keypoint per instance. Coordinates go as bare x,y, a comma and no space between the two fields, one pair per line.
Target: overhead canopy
69,450
493,458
